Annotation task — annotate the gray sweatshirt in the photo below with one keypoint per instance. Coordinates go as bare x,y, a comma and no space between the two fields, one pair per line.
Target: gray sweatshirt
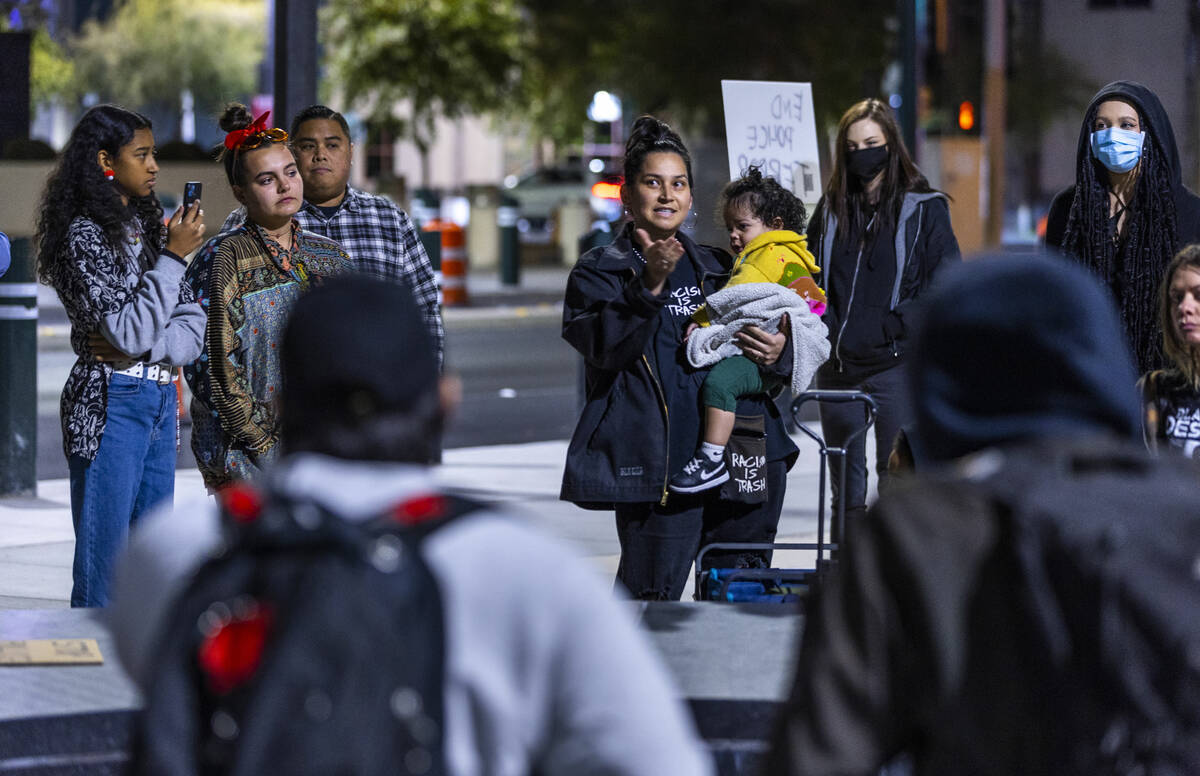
545,670
153,325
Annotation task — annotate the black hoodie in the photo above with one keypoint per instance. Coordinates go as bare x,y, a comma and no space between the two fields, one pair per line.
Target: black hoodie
1132,271
1035,352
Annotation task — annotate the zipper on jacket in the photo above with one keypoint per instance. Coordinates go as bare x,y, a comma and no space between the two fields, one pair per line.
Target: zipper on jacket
837,350
667,421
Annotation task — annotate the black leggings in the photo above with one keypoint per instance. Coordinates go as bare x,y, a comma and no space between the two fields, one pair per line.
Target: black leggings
658,544
838,421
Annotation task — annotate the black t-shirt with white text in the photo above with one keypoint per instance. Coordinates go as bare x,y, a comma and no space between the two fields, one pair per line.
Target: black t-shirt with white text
1173,411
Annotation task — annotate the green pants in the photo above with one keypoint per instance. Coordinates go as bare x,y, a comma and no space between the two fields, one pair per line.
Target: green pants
731,378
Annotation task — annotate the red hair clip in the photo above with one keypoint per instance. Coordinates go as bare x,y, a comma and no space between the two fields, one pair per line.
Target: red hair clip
239,136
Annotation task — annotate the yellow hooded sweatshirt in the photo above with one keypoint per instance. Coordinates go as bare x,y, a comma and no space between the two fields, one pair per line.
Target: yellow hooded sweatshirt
781,257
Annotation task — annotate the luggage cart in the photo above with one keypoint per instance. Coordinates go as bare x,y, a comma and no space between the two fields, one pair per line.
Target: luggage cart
779,584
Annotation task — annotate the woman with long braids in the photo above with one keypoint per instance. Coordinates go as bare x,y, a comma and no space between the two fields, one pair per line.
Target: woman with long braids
103,248
880,234
1128,212
247,281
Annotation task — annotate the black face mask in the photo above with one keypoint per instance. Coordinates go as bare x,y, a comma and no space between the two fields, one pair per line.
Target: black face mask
865,163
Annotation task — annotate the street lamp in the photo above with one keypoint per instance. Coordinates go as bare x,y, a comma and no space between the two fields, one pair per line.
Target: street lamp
605,107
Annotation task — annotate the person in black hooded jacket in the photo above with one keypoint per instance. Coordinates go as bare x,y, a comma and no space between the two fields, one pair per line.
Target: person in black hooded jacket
1128,212
626,309
1023,604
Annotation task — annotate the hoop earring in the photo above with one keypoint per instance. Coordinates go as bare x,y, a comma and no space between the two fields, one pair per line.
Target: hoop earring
109,175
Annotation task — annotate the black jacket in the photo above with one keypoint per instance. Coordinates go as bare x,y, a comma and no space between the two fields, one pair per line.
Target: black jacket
618,453
963,625
1136,291
923,245
994,624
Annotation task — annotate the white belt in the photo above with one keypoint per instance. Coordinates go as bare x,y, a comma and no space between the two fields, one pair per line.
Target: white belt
159,374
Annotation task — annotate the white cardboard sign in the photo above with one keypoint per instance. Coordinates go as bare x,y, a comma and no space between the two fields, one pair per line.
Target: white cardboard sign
771,124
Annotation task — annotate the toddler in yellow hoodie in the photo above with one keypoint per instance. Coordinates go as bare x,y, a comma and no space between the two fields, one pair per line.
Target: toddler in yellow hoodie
765,223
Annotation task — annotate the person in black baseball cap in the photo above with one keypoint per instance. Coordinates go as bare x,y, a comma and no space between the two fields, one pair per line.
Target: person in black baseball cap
541,678
361,378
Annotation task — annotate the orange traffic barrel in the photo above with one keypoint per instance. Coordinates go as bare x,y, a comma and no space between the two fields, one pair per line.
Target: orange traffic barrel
454,264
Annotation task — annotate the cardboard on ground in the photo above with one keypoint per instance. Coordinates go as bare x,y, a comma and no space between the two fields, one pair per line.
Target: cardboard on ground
771,124
34,652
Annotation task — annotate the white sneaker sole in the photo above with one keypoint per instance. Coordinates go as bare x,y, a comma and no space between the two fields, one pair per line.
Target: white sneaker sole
714,482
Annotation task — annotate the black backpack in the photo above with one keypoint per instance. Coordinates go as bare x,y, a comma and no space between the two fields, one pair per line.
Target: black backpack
308,645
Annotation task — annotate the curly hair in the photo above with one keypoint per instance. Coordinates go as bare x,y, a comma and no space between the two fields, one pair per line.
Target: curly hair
1150,238
845,194
237,116
648,136
765,198
77,187
1186,357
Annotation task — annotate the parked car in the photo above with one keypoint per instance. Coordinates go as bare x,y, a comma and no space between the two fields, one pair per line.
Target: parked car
540,193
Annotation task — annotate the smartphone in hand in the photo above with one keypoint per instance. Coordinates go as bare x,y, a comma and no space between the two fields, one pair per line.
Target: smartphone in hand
191,193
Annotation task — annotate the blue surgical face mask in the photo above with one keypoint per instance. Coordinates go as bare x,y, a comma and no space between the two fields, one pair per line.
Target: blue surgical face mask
1117,149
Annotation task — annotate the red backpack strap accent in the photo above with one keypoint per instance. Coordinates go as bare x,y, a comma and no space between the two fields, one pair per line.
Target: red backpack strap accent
233,644
241,501
420,509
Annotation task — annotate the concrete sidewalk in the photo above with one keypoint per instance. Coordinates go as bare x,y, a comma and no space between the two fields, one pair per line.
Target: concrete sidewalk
37,539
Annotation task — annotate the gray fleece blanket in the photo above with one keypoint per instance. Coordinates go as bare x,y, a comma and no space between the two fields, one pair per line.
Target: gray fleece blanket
761,304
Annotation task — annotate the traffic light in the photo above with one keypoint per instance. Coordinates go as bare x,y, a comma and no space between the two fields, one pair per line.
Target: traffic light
966,115
954,68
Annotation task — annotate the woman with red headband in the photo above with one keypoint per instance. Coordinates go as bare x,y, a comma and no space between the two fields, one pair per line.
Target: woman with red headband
247,280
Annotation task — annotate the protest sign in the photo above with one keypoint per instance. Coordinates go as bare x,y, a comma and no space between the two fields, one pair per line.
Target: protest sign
771,124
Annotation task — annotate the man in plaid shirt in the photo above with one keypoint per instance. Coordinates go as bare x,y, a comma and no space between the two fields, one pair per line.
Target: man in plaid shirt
379,236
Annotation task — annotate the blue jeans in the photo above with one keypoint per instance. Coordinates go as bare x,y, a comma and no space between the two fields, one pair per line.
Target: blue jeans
133,472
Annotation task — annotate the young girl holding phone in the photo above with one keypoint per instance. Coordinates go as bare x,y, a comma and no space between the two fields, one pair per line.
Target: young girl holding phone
102,246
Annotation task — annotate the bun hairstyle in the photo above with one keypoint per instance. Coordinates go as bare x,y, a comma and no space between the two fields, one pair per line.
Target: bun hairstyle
648,136
236,116
766,198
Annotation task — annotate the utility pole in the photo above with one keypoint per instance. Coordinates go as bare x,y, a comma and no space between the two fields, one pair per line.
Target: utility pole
14,86
18,373
18,298
995,43
907,11
295,58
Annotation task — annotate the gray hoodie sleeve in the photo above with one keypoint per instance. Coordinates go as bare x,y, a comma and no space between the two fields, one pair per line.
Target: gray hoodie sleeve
183,337
147,326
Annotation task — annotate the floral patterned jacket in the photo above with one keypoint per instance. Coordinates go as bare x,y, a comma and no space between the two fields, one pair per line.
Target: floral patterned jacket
247,283
137,301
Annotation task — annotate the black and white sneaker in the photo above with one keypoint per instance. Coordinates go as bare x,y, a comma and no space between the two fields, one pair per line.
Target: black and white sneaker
699,474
